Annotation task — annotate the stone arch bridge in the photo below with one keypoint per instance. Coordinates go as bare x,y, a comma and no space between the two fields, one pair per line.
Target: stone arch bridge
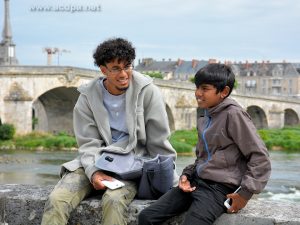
42,98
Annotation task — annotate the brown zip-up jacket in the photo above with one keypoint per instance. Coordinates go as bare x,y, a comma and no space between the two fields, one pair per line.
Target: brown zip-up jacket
229,150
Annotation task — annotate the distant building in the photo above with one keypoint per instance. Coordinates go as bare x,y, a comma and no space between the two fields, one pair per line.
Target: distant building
185,70
266,78
262,78
165,67
297,65
7,47
171,70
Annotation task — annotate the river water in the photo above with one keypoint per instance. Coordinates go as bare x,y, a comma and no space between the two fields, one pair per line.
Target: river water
42,168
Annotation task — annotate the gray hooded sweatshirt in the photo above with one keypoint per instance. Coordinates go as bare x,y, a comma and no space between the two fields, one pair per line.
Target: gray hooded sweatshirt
146,120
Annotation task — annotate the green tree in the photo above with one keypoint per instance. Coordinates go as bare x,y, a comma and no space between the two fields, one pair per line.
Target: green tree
7,131
158,75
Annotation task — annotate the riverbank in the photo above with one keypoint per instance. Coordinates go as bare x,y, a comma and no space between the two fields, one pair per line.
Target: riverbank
184,141
285,139
41,141
43,167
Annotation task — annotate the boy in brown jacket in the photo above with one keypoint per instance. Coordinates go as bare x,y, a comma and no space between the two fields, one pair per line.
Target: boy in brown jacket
229,153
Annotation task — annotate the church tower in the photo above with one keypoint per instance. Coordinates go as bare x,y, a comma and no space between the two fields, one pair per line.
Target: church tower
7,47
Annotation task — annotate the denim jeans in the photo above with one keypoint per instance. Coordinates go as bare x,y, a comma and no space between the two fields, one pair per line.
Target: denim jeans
203,206
74,187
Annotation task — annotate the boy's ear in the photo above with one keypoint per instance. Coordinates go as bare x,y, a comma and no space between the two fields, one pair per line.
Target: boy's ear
225,92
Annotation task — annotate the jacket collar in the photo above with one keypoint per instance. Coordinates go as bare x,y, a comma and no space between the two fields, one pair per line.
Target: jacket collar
221,106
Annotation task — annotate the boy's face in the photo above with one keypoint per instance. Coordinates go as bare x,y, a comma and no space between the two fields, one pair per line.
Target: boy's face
118,76
207,96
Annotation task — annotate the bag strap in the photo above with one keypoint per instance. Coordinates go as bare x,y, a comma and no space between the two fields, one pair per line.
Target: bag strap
156,193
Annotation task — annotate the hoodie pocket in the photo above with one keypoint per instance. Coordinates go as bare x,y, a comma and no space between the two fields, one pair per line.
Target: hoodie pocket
232,156
218,160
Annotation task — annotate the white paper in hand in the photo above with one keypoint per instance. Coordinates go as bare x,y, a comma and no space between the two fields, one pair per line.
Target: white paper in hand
114,184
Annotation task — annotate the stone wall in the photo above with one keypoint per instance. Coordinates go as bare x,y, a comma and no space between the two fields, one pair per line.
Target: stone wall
23,205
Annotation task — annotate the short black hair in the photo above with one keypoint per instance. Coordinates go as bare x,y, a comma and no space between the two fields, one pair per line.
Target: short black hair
114,48
217,74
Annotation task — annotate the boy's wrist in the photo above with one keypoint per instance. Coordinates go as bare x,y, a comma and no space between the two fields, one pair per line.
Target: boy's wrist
245,193
185,174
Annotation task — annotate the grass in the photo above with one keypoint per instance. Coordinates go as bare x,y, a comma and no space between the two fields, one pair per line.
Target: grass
184,141
38,139
287,138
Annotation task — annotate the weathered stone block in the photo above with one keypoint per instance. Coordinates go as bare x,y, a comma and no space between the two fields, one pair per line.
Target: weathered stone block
23,205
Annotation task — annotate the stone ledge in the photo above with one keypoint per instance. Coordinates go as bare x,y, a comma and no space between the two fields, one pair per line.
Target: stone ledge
23,205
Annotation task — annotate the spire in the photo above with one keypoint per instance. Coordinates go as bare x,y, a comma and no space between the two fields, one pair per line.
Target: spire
6,33
7,47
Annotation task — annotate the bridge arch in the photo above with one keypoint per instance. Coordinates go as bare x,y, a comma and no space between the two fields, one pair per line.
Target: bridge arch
290,117
258,116
53,110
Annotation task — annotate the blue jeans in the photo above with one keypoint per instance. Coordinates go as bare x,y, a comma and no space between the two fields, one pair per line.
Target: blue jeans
203,206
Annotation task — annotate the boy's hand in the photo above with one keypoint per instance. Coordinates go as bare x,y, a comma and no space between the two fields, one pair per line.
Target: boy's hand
238,202
185,185
97,179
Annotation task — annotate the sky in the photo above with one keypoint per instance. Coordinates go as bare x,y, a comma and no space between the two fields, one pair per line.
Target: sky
235,30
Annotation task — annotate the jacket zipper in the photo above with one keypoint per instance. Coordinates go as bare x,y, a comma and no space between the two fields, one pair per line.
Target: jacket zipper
204,139
199,167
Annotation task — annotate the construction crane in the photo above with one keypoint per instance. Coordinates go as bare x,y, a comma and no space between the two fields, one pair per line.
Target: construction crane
52,51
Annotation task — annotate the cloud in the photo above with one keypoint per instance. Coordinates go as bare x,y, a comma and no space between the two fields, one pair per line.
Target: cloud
160,28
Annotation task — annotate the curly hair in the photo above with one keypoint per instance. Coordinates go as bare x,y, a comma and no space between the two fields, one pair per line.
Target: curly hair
111,49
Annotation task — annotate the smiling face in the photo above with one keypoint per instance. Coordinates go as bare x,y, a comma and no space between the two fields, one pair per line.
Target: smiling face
207,96
118,76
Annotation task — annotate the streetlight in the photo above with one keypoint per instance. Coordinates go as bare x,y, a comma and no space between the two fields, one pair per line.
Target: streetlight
59,52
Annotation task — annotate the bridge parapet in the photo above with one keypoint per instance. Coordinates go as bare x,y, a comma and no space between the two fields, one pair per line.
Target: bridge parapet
175,84
190,86
276,99
23,204
46,93
33,71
